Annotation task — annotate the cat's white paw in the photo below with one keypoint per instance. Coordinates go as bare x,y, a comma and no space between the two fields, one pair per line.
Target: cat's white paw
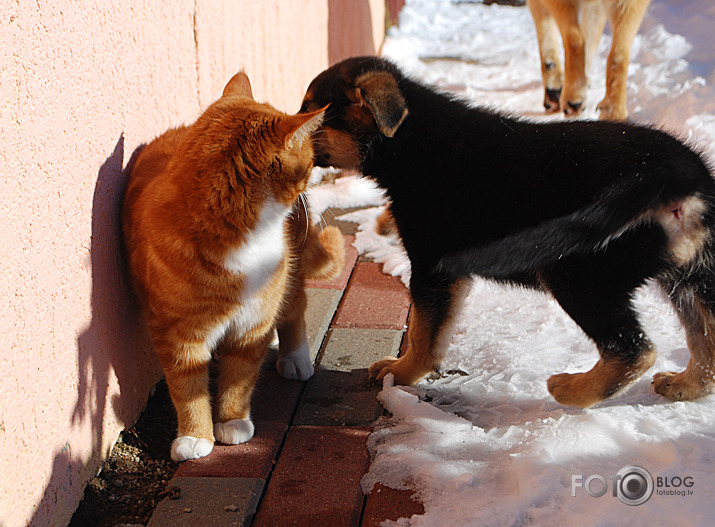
234,432
187,447
297,364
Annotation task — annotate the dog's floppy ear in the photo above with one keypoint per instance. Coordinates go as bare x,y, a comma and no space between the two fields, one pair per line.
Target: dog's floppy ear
378,91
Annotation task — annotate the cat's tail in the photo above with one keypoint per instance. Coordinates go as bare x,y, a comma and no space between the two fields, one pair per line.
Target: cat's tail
323,255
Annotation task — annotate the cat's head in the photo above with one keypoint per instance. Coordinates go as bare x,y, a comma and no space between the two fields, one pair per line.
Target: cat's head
267,152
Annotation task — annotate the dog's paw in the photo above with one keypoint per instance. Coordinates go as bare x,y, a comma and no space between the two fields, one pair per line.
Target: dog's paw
296,365
570,389
188,447
234,431
406,373
573,108
573,98
551,100
680,386
379,369
611,112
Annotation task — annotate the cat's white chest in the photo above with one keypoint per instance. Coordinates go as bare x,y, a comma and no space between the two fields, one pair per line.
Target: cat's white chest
257,258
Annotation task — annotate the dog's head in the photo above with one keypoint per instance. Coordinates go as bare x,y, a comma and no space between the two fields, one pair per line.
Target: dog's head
365,100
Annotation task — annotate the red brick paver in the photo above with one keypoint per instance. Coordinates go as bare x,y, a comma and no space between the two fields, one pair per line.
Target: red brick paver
317,479
373,300
384,503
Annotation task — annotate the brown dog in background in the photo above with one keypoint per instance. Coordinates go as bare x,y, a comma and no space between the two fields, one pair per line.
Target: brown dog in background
581,23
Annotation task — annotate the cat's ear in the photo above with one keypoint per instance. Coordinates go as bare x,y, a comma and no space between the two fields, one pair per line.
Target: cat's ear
238,86
378,90
295,129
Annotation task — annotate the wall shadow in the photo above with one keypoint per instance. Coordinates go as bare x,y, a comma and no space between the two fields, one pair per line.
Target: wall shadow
113,345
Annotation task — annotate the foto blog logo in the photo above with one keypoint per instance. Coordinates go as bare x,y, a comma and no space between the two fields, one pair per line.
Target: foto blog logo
633,485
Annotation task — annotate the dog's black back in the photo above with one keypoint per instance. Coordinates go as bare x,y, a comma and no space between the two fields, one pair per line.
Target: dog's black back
467,177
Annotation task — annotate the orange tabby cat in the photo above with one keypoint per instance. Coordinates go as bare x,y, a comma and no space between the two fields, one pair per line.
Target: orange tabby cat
218,252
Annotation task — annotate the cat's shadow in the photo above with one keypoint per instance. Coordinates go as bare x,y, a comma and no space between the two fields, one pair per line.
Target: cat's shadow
113,349
115,344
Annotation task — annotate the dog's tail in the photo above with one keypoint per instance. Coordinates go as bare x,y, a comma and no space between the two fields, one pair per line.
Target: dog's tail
684,222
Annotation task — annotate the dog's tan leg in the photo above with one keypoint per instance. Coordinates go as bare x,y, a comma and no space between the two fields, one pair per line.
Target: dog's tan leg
608,377
602,305
428,339
698,379
566,15
549,48
593,20
625,18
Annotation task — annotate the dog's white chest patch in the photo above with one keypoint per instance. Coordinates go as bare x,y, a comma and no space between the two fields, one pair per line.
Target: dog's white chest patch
260,253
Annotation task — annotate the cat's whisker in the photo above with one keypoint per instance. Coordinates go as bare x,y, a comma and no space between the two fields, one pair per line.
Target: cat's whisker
304,202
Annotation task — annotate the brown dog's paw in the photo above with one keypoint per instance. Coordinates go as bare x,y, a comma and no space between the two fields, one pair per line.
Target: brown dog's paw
611,112
680,386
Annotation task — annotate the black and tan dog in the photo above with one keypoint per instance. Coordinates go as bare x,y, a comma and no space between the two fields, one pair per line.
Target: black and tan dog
586,211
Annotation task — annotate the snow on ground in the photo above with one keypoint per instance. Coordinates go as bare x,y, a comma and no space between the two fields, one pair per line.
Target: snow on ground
486,444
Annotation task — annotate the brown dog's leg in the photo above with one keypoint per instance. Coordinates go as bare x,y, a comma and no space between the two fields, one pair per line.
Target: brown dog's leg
549,48
625,20
573,95
593,20
430,329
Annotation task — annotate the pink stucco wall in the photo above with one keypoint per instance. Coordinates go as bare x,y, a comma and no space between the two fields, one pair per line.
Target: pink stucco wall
82,84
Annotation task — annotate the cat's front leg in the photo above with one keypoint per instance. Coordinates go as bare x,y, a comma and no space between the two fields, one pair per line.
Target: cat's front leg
187,373
188,447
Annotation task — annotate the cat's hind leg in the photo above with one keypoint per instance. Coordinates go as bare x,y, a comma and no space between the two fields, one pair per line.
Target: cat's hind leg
294,360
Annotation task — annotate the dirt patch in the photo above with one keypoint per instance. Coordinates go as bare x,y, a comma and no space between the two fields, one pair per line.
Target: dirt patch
133,480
